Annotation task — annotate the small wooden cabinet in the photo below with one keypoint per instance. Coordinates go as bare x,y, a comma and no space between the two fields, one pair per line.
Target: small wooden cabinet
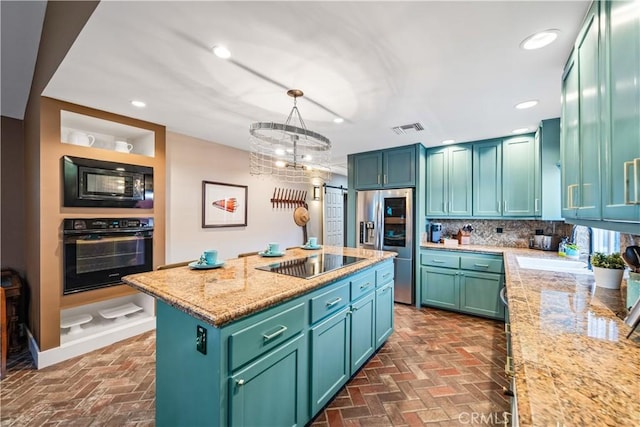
393,168
462,281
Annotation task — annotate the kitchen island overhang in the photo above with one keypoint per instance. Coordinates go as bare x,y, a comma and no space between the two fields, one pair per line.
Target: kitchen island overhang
227,338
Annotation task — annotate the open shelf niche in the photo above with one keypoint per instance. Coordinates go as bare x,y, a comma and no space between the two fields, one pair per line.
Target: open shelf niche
80,129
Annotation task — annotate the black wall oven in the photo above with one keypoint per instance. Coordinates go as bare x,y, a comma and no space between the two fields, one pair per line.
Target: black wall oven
99,251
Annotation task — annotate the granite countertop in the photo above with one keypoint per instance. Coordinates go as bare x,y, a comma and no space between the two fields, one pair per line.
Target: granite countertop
222,295
573,365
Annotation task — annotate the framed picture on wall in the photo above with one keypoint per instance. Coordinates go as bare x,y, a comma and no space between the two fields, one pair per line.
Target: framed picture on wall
223,205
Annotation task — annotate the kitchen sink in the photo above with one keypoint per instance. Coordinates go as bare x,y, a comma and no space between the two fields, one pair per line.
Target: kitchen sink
557,265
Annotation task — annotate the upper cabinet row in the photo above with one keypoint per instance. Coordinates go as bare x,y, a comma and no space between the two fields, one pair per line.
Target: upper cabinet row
601,118
393,168
493,178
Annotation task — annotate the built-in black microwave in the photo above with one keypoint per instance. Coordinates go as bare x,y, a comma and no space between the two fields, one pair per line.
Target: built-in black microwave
98,183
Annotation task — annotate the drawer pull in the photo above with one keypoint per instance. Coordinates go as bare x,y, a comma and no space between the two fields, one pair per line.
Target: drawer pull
334,302
239,383
366,285
508,367
275,334
384,276
437,261
481,265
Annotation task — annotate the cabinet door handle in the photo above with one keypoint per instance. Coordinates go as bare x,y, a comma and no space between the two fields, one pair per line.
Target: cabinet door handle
275,334
505,207
383,290
535,204
378,179
570,189
240,383
354,309
384,178
481,265
334,302
635,164
498,206
366,285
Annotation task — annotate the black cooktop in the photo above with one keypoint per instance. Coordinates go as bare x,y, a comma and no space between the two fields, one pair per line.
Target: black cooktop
311,266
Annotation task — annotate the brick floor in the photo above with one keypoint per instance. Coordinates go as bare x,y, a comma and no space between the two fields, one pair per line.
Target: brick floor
437,369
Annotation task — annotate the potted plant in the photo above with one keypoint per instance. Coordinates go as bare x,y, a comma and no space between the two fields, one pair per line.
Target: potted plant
607,269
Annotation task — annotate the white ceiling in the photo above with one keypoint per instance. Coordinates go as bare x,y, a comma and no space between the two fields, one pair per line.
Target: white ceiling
455,67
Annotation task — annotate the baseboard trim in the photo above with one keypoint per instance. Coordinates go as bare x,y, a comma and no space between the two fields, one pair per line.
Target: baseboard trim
87,344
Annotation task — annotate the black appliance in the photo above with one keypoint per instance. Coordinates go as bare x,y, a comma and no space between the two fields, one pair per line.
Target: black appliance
99,251
311,266
97,183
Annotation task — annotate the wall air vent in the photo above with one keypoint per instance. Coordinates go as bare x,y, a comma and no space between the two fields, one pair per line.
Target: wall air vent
405,129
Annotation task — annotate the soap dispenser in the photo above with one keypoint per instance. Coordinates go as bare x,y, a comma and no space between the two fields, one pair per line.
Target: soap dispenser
562,248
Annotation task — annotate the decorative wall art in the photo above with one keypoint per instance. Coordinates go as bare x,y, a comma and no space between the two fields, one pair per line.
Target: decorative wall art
223,205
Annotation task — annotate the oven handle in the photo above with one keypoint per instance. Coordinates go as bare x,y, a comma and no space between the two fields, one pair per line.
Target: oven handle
109,231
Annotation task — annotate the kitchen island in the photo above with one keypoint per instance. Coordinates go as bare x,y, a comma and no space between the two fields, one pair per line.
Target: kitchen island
570,361
241,346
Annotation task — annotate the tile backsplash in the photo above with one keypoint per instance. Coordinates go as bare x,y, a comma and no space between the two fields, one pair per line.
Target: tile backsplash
515,233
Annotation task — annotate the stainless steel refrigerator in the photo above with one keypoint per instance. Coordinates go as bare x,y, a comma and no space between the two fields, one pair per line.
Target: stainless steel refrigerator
386,222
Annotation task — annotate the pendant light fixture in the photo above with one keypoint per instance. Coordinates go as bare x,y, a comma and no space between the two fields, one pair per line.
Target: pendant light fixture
289,151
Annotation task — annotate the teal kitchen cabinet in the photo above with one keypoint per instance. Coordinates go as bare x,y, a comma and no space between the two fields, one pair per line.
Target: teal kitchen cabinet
278,366
580,146
548,181
487,178
480,293
252,400
440,287
368,170
589,117
342,342
621,141
507,177
363,340
330,358
393,168
384,313
462,281
518,176
449,182
570,146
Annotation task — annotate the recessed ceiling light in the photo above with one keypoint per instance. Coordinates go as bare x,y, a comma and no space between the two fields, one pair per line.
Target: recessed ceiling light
538,40
448,141
139,104
221,52
520,130
527,104
338,120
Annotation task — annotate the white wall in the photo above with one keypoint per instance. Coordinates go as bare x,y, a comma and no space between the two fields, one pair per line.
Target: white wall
189,162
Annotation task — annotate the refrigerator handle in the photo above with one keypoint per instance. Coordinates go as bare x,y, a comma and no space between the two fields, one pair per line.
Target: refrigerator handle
379,220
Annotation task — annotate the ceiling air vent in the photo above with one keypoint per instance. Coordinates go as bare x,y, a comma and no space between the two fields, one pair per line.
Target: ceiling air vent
404,129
